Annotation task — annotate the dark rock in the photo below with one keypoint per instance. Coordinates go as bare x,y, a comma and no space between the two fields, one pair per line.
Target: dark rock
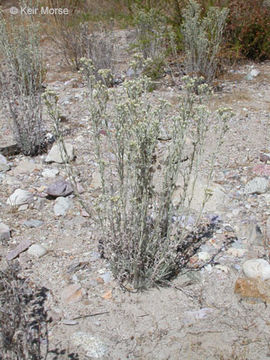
59,188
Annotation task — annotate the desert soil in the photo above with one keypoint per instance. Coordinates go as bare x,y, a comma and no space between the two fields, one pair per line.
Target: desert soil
199,316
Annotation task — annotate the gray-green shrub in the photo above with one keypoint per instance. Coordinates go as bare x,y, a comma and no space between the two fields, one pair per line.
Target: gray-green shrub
137,229
151,34
202,39
21,76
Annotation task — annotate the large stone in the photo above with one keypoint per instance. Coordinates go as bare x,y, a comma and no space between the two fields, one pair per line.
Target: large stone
50,173
256,268
33,223
61,206
216,202
59,188
92,345
55,153
37,250
258,185
4,232
20,197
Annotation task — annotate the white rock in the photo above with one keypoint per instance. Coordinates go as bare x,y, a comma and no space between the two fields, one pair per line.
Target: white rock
254,72
55,153
20,197
256,268
61,206
37,250
258,185
92,345
4,232
50,173
204,256
96,180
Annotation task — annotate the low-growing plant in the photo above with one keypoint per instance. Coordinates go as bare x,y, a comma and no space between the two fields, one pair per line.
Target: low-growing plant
202,39
136,216
23,319
21,76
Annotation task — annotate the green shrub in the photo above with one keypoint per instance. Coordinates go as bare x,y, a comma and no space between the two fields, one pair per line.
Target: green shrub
248,29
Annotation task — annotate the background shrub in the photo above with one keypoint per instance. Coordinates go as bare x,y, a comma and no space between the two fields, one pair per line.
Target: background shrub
248,29
21,77
202,38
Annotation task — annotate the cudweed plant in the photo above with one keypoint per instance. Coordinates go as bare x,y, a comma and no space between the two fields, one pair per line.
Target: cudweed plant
151,33
202,39
21,76
135,219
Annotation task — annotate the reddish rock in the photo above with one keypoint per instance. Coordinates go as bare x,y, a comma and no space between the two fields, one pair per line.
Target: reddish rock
253,289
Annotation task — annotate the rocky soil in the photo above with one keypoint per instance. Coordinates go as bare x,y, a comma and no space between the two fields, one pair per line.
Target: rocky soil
218,312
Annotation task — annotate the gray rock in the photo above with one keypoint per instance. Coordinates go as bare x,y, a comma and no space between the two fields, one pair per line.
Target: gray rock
3,160
4,232
92,345
37,250
50,173
96,180
20,197
106,277
3,164
33,223
216,202
55,154
59,188
250,231
24,245
258,185
61,206
256,268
